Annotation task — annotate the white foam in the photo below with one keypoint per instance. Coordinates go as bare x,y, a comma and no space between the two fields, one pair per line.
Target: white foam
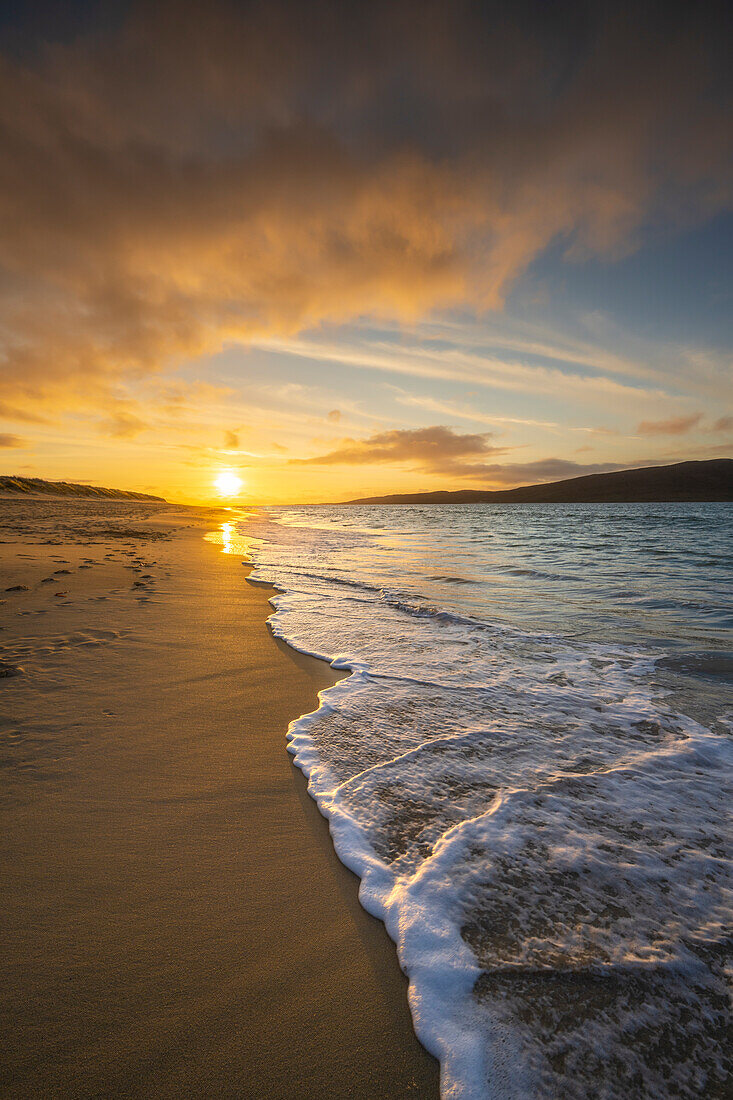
534,823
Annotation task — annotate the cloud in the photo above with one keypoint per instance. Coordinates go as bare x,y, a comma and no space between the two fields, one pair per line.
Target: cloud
483,368
436,449
440,450
678,425
7,440
192,176
447,408
123,425
8,412
546,469
334,416
724,424
231,441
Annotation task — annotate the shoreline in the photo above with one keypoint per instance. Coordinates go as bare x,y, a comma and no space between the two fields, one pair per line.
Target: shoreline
178,920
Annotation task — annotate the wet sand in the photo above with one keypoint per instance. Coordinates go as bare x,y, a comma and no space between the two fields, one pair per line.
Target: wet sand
176,922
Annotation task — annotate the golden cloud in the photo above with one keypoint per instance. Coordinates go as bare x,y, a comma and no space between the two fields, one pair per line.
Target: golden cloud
441,450
200,176
677,425
438,449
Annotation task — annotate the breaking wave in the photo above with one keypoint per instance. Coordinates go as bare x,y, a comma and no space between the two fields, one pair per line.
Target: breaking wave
531,785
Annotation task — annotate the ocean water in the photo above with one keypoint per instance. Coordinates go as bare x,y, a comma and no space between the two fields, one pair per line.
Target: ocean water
529,767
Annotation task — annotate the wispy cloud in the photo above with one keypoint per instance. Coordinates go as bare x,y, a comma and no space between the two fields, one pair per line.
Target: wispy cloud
123,425
24,416
458,365
9,440
677,425
449,408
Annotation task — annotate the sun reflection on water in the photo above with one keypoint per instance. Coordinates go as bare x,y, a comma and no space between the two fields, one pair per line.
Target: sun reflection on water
231,539
229,536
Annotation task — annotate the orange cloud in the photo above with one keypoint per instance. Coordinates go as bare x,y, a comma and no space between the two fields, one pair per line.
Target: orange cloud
440,450
678,425
123,425
9,412
437,449
198,176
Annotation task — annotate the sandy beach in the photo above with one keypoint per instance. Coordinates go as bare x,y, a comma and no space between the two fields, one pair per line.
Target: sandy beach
176,922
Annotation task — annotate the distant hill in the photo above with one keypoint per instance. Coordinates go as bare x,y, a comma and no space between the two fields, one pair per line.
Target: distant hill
33,485
691,481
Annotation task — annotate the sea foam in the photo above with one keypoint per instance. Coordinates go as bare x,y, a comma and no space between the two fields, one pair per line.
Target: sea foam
538,817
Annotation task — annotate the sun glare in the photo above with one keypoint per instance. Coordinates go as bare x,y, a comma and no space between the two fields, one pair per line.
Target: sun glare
228,484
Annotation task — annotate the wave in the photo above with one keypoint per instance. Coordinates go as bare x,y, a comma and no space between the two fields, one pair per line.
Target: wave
480,883
536,824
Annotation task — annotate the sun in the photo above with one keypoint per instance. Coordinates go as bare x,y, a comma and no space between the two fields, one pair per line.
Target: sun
228,483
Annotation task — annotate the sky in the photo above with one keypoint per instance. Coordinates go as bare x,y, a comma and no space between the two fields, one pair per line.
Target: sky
349,249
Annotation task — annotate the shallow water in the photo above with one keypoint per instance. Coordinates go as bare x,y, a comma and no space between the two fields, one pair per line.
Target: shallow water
530,769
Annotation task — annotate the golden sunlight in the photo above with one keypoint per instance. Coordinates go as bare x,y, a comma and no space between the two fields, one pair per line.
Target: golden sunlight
227,532
228,484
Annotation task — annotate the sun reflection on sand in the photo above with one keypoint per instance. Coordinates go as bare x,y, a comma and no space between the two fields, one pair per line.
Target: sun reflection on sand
230,539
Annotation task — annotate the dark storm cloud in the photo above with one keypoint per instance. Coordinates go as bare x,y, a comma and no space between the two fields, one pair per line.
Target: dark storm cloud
184,176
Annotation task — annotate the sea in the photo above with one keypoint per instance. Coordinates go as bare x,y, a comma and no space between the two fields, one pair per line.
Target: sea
528,764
